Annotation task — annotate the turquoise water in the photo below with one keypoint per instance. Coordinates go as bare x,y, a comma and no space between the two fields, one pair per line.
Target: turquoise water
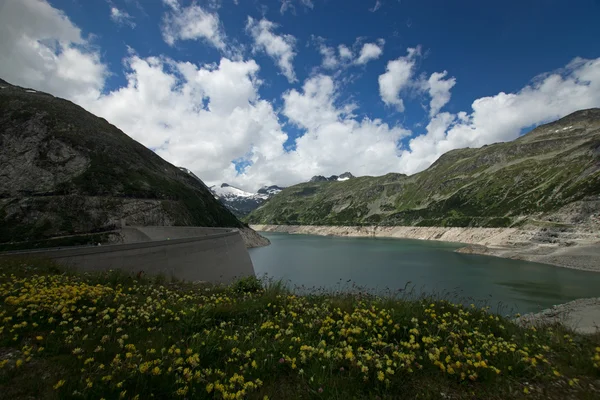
381,265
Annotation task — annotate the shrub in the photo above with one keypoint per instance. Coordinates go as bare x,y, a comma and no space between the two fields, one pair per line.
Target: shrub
249,284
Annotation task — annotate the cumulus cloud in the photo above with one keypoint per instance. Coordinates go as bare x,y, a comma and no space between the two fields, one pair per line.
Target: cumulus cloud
121,17
200,117
335,140
370,51
502,117
439,90
204,116
397,77
191,23
43,49
279,47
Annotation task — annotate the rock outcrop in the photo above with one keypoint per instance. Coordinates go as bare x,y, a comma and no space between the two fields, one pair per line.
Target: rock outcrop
67,172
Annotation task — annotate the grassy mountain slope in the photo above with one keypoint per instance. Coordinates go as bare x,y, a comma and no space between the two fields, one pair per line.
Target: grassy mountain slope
552,166
65,171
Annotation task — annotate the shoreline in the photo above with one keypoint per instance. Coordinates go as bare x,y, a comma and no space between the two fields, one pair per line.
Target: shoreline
581,315
574,249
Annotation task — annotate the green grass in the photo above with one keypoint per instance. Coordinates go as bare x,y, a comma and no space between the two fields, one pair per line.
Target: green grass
112,335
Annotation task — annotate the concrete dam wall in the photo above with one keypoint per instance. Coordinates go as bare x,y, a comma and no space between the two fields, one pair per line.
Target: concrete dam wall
191,253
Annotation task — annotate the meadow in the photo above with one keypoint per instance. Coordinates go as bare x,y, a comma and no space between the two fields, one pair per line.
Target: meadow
110,335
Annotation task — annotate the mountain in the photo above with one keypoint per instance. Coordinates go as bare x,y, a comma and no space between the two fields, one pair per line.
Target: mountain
240,202
67,172
550,173
270,190
333,178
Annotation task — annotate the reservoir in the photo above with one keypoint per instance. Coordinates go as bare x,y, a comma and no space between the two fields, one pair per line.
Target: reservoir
309,263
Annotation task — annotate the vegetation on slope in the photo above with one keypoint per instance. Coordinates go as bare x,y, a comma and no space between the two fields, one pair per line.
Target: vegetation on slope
493,186
109,335
66,171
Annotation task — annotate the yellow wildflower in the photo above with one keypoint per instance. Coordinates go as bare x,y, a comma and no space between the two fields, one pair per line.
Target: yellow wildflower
59,384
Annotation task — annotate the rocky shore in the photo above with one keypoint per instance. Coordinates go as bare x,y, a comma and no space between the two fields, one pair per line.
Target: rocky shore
582,315
577,248
253,239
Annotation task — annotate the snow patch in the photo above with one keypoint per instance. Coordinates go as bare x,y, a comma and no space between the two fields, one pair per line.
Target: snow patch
229,192
30,91
343,179
273,191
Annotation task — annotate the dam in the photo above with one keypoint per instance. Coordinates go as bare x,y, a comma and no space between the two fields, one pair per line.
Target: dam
216,255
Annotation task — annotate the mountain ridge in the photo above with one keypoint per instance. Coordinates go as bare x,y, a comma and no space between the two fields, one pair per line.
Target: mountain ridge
553,166
241,202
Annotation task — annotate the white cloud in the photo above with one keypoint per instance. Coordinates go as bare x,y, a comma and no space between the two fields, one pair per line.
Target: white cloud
289,5
204,116
345,52
334,140
198,117
376,7
279,47
397,77
370,51
502,117
41,48
121,17
191,23
286,5
330,60
439,90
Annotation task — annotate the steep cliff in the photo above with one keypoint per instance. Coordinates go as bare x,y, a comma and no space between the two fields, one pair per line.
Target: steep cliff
65,171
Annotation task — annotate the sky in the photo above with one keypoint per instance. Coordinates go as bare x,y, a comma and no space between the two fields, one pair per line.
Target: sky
257,93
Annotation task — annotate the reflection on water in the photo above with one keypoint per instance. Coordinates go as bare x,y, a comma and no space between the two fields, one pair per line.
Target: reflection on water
389,265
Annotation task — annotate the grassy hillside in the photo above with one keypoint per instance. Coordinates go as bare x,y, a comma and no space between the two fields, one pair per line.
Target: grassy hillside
65,335
66,171
552,166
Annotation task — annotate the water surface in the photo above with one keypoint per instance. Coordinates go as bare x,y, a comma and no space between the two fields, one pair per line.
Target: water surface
508,286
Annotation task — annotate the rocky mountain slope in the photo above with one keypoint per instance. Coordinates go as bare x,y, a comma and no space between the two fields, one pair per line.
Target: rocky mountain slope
240,202
333,178
65,171
550,175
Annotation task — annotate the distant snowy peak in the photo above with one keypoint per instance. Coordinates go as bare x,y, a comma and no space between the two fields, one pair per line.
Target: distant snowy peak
270,190
343,177
241,202
227,191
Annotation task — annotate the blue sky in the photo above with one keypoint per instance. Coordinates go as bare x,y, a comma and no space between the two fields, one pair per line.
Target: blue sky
522,63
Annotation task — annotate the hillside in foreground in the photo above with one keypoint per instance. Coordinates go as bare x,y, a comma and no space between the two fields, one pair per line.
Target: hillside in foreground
67,172
551,173
110,335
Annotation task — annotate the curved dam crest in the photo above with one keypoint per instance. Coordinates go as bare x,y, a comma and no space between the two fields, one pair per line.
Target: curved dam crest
216,255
